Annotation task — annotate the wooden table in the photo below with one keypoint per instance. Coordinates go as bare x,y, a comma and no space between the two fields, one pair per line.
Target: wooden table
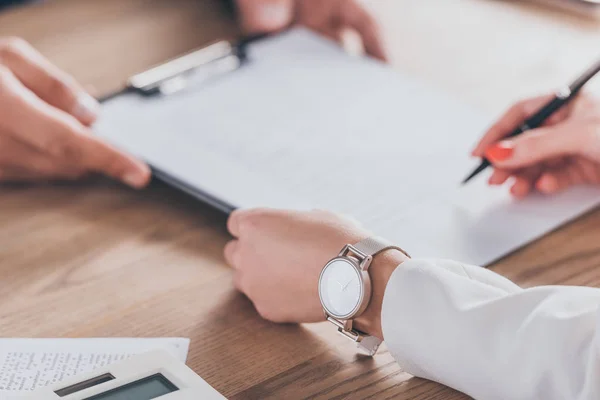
97,259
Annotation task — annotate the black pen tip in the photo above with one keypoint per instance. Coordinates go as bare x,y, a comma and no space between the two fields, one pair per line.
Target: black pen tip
468,178
476,172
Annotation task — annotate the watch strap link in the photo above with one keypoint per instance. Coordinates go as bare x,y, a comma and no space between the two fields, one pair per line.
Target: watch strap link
365,343
374,245
369,345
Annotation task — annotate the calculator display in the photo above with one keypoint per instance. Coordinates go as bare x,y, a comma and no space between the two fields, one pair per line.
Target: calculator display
144,389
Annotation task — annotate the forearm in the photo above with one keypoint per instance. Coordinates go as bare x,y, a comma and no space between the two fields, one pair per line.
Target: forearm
470,329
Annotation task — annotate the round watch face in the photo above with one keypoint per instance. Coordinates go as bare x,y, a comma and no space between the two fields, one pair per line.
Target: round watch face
340,288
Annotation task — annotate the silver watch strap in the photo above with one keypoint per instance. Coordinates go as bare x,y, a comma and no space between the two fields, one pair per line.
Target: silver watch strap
371,247
365,343
369,345
374,245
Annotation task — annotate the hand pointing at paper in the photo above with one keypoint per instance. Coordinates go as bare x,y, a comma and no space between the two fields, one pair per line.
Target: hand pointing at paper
562,153
44,124
328,17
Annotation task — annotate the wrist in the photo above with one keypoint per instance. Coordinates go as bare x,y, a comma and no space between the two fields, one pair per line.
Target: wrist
380,271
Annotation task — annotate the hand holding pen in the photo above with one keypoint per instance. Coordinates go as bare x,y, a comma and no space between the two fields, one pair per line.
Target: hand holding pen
551,142
564,152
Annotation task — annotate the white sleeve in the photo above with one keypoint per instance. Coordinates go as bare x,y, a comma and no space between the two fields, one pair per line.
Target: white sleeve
475,331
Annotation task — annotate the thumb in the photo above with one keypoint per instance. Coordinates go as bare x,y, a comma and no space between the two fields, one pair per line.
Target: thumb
265,16
534,146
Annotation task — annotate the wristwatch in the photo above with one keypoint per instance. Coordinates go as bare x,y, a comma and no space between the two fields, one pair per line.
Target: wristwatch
345,288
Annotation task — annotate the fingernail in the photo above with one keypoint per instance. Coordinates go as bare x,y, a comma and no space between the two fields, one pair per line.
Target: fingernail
547,184
501,151
275,15
135,179
87,108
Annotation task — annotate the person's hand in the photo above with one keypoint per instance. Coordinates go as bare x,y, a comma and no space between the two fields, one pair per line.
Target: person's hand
562,153
278,257
328,17
44,124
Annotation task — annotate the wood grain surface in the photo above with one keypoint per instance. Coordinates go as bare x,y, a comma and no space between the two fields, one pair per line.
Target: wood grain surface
97,259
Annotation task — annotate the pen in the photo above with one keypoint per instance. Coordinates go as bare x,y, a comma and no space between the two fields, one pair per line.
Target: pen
561,98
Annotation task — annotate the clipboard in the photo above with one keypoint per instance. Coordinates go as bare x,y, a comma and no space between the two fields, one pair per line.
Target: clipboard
297,123
190,70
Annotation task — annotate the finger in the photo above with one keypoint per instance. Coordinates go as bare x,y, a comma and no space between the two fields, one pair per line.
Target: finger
521,187
557,180
355,16
230,253
511,119
47,81
560,115
238,218
92,153
583,100
233,222
525,181
550,183
332,32
538,145
263,16
589,171
247,222
60,136
499,177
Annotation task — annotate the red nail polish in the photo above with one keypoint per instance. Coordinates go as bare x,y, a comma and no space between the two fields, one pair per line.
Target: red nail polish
501,151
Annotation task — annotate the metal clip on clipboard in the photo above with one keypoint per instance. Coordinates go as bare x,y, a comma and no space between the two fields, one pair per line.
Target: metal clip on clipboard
189,70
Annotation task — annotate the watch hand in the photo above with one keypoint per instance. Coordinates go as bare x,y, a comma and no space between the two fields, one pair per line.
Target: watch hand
338,282
346,285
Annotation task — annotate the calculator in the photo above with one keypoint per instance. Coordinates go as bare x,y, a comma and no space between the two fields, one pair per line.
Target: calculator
153,375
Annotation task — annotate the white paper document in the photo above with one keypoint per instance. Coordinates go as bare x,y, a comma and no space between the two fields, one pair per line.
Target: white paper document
304,125
27,364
